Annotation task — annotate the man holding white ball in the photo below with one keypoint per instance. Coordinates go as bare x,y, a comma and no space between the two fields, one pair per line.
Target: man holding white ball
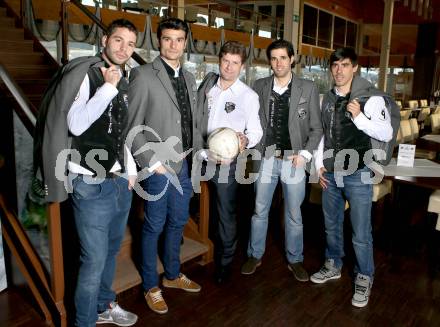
225,101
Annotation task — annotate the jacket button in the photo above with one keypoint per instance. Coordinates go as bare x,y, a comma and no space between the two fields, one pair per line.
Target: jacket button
178,121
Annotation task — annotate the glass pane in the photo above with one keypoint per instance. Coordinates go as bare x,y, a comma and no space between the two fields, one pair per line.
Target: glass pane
325,29
351,35
339,33
309,25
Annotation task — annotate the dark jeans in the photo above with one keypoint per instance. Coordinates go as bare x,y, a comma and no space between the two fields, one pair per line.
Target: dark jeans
224,196
101,212
168,214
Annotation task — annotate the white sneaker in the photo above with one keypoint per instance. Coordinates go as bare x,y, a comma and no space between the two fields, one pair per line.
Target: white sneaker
327,272
116,315
362,289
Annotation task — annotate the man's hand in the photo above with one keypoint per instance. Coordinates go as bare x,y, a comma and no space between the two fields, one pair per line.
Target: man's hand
244,141
161,170
354,108
322,180
298,161
131,181
111,75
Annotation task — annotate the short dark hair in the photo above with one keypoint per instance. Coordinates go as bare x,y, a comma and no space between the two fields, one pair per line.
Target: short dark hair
172,24
281,44
121,23
233,47
344,53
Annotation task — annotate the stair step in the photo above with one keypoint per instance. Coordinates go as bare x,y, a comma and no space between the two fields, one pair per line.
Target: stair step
24,46
33,86
30,71
11,33
127,275
7,21
33,58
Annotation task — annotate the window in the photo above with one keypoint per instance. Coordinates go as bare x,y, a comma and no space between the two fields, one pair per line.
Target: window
325,29
310,25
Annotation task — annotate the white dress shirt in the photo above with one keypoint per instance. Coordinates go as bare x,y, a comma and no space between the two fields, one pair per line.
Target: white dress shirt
375,121
84,112
244,118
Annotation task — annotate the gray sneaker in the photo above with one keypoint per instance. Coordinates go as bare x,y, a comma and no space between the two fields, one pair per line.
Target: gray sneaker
116,315
362,289
250,266
327,272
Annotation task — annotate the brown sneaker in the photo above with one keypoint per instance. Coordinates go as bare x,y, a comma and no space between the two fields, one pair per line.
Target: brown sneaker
155,300
298,271
182,282
250,266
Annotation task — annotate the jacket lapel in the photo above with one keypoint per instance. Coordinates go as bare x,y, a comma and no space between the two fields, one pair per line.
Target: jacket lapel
295,95
267,90
191,88
163,77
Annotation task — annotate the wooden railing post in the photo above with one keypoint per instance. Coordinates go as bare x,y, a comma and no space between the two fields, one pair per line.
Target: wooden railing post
56,256
64,32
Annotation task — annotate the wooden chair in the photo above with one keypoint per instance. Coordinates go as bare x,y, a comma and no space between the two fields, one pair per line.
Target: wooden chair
434,206
425,112
423,103
435,123
405,114
413,104
399,103
405,130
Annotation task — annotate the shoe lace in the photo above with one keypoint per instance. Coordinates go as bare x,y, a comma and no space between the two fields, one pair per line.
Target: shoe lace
117,311
360,289
156,296
185,280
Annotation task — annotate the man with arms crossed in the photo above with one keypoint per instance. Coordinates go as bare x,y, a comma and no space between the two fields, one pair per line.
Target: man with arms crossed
349,123
291,118
163,97
225,101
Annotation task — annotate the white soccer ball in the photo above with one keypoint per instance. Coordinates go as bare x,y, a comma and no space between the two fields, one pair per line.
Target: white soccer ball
224,143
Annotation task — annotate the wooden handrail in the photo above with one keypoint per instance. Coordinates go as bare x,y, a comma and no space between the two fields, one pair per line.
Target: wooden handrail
26,110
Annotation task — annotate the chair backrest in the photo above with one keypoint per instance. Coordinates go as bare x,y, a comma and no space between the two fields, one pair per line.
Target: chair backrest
435,123
425,112
413,103
423,103
399,103
437,110
405,129
414,128
405,114
399,137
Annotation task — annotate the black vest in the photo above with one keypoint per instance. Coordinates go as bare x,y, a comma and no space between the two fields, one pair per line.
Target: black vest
107,131
278,123
182,97
341,133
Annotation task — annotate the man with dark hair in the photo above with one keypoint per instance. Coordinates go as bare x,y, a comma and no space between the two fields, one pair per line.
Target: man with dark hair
163,100
225,101
88,98
291,119
353,112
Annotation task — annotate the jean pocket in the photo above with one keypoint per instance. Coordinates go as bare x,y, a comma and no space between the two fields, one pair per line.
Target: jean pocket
86,191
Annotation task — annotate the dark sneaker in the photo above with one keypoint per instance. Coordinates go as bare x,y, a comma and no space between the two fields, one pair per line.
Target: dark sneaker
362,289
298,271
326,273
250,266
182,282
116,315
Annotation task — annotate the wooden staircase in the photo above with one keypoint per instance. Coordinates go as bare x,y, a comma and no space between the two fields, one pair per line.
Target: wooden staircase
31,66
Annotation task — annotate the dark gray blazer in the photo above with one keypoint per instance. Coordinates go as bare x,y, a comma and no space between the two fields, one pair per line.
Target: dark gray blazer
152,102
305,127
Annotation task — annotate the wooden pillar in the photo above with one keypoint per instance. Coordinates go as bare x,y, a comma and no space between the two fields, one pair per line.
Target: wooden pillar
273,28
292,25
386,43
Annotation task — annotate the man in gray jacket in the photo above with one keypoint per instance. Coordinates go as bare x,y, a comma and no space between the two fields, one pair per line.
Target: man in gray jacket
291,120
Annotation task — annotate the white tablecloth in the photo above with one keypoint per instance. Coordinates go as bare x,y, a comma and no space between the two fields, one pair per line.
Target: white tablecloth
432,138
422,168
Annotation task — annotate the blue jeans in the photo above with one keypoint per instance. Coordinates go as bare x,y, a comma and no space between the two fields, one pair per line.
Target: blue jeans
359,196
168,214
101,212
293,184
